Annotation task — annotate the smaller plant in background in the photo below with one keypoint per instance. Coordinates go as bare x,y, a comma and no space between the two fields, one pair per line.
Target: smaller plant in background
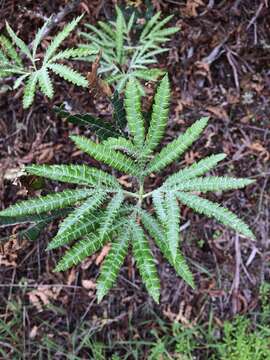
14,53
127,53
241,342
105,211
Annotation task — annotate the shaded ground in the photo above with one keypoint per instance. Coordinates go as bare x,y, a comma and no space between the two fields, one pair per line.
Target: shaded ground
219,66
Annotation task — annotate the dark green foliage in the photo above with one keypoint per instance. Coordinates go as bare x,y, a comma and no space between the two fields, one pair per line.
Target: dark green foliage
101,128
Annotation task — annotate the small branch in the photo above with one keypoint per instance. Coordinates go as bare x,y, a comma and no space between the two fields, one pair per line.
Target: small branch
233,66
57,18
235,6
257,14
236,281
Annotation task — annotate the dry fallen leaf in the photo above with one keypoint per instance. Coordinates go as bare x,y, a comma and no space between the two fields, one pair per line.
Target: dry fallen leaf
258,147
10,250
219,112
191,9
12,174
97,86
182,316
104,252
33,332
122,180
191,156
88,284
71,276
43,295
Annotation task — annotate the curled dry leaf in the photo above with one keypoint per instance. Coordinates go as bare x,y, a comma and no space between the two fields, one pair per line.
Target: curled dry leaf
89,284
104,252
43,295
97,86
192,6
33,332
10,250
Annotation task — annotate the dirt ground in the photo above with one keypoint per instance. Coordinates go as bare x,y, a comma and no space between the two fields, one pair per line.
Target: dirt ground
219,66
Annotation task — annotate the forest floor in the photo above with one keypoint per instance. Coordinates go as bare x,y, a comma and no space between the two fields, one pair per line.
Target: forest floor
219,66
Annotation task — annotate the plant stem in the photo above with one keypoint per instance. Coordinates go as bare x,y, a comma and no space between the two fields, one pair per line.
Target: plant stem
128,193
147,194
141,194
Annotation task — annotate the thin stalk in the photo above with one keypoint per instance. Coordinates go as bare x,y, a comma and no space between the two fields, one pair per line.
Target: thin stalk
128,193
147,194
141,194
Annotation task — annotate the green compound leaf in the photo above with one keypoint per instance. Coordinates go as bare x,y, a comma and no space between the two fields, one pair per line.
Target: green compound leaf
103,153
21,44
145,261
99,37
29,90
69,74
18,82
172,223
134,114
110,214
149,74
122,144
87,224
112,265
154,31
149,25
72,53
93,202
130,22
211,183
159,115
46,203
197,169
107,29
86,247
74,174
159,205
45,82
80,251
60,37
213,210
177,147
10,51
4,61
38,37
119,35
156,231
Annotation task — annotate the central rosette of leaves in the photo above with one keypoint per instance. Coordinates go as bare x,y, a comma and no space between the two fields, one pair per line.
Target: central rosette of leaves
106,212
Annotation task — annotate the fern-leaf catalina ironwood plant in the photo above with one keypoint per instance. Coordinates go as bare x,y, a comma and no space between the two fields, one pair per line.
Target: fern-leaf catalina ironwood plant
14,52
126,52
106,212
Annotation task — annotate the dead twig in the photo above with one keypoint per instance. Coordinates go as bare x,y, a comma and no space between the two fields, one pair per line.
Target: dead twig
236,280
57,18
257,14
215,53
235,73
